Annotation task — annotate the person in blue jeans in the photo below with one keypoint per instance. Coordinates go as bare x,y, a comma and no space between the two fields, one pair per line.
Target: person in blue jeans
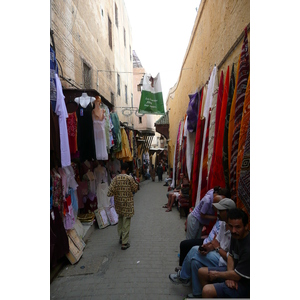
235,280
211,254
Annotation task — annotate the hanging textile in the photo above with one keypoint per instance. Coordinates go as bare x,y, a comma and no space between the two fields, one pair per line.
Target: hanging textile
116,122
85,133
225,139
204,189
244,180
57,191
192,112
216,103
107,127
177,156
206,110
54,140
243,135
216,177
100,139
197,150
240,96
152,97
183,147
125,153
61,111
72,132
231,118
53,72
59,245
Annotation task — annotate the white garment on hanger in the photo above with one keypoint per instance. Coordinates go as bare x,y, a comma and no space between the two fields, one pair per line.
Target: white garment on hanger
207,106
62,113
84,100
100,139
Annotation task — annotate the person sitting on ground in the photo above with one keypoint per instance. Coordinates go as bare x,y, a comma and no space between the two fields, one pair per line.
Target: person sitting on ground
177,188
236,279
210,254
170,178
184,192
203,213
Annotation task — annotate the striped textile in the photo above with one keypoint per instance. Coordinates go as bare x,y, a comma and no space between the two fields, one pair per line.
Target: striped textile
231,119
217,96
197,150
243,135
240,96
225,139
244,181
217,174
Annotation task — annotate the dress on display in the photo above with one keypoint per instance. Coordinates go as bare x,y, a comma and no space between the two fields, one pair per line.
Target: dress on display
100,139
85,133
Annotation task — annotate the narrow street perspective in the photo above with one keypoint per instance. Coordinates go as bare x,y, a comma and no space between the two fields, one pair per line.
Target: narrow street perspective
149,105
140,272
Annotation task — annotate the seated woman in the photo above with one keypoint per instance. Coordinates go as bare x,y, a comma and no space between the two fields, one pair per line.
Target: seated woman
184,192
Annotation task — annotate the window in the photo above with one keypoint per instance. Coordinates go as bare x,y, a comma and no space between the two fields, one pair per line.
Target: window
116,15
118,83
140,120
126,100
87,80
109,33
130,53
124,37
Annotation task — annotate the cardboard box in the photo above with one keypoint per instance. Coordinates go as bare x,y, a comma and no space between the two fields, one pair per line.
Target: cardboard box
101,218
78,242
74,253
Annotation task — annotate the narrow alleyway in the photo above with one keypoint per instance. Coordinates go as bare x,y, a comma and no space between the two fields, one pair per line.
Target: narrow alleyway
140,272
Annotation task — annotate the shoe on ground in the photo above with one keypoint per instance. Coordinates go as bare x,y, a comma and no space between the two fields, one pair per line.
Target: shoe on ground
175,278
191,295
126,246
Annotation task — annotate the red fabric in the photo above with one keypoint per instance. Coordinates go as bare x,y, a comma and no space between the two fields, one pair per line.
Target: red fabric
218,108
197,152
217,172
240,97
204,189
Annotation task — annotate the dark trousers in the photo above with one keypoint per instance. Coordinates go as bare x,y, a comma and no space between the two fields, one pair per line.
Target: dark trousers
186,246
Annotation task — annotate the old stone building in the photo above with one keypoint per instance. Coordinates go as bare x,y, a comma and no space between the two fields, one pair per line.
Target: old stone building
93,48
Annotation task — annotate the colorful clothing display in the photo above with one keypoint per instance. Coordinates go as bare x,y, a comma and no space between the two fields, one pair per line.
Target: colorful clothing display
216,176
100,139
225,138
125,153
197,151
85,133
240,97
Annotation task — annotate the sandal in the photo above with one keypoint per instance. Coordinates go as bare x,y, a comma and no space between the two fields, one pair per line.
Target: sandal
168,210
165,206
126,246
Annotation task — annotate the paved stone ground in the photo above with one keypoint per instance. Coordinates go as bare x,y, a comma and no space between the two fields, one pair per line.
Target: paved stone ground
140,272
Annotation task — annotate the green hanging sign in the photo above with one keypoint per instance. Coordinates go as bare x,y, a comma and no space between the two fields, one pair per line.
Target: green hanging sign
152,97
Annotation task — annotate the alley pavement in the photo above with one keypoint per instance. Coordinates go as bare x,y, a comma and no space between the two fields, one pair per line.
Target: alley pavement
140,272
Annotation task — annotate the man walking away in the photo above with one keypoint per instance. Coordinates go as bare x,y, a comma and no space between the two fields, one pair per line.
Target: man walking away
122,188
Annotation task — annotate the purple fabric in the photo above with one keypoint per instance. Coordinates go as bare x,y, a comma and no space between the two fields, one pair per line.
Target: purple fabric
192,112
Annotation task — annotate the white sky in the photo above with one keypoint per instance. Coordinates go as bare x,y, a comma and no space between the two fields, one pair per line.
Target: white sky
161,31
